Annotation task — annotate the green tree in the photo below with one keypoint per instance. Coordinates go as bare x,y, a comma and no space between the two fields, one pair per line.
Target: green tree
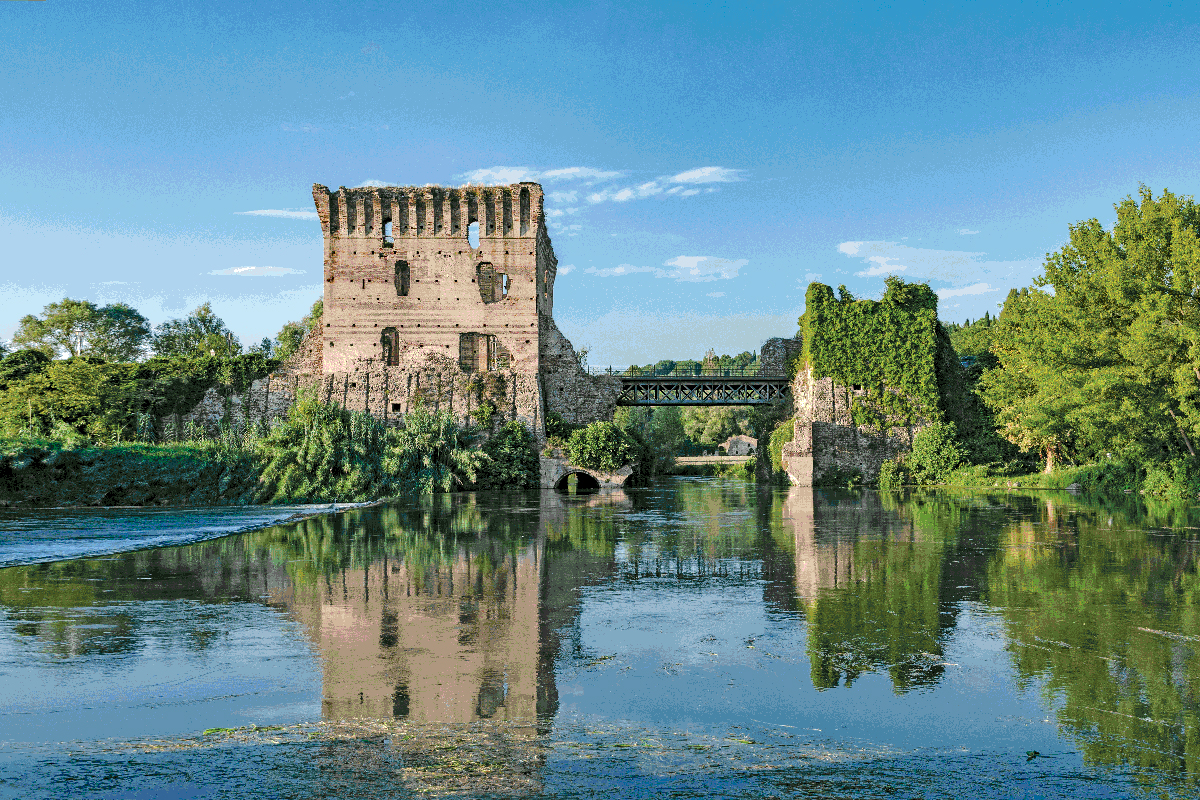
201,333
115,332
711,425
1110,360
293,334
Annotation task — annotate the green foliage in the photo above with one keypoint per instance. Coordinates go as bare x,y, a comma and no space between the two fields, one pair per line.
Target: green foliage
972,340
935,453
429,452
784,433
890,343
199,334
557,427
322,452
513,460
293,334
115,332
20,365
1107,362
483,414
602,446
892,474
711,425
841,478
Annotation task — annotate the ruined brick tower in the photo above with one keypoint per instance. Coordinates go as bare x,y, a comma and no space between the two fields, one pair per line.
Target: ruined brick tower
400,275
414,311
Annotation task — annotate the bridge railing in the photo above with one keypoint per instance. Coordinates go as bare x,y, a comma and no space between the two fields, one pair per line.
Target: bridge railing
686,372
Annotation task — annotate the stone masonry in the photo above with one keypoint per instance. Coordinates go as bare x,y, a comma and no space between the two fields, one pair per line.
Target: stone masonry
827,439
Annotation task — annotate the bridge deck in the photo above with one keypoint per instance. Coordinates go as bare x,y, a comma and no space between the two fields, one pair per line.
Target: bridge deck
700,390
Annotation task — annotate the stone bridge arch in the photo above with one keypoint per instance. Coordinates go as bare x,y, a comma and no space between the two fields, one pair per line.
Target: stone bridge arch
555,472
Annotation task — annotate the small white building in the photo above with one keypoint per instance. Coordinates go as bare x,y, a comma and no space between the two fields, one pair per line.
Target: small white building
740,445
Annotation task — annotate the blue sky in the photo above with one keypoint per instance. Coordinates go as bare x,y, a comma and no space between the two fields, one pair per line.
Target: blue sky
702,163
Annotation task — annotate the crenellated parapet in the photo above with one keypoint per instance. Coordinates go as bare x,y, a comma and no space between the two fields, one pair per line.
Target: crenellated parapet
388,212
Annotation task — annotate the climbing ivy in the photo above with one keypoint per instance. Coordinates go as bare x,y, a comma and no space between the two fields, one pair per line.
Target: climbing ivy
887,347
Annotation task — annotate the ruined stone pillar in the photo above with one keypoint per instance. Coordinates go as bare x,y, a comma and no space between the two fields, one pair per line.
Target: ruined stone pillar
343,212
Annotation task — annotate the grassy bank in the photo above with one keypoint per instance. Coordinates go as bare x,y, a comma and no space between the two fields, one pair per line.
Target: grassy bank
44,472
1176,480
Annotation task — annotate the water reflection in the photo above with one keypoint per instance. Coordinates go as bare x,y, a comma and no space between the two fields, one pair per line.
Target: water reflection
697,603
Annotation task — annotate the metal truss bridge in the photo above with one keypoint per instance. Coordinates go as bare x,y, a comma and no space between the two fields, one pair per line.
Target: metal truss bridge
719,388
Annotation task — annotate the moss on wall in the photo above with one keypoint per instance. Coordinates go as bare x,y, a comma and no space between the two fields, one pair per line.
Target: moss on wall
886,348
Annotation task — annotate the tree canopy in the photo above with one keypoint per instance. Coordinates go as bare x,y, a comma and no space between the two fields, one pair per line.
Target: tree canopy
1102,355
199,334
115,332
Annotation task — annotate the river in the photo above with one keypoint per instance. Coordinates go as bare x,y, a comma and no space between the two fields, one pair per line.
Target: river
700,638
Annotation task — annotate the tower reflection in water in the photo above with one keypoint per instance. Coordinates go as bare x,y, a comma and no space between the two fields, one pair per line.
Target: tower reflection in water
449,616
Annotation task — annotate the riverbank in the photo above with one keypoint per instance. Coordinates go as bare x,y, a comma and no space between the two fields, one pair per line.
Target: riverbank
46,473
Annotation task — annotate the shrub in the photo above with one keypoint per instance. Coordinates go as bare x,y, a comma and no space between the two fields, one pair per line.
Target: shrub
783,433
514,461
892,474
601,446
935,453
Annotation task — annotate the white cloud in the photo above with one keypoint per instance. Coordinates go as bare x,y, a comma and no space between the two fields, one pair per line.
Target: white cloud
716,294
681,185
563,197
271,272
566,269
586,174
705,268
373,182
966,232
707,175
975,288
501,175
970,271
809,277
687,269
620,269
882,267
283,213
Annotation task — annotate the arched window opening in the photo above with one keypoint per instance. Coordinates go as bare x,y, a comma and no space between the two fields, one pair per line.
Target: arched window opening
438,203
524,212
389,341
455,215
388,238
506,209
402,279
420,217
473,234
488,281
505,281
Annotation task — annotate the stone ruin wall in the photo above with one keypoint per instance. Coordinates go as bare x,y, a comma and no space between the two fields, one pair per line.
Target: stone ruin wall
826,438
776,355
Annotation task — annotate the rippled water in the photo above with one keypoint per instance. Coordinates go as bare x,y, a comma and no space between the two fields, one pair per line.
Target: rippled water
703,638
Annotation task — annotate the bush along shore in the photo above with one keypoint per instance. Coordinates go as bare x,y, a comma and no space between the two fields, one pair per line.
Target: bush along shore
318,453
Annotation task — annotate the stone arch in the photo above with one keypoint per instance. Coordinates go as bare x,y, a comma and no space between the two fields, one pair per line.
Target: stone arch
586,482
